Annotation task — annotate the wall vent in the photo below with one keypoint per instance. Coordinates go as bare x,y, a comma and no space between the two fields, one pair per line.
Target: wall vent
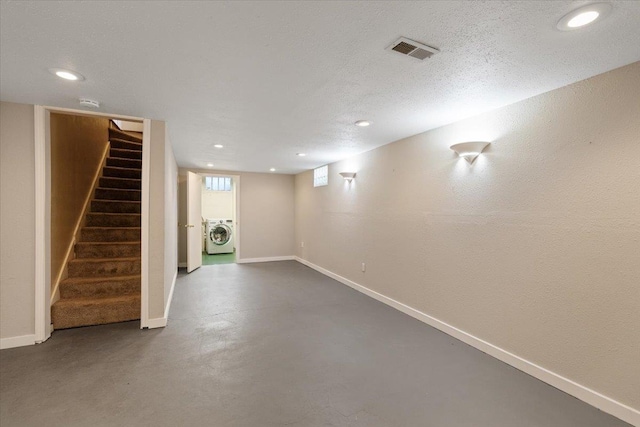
407,47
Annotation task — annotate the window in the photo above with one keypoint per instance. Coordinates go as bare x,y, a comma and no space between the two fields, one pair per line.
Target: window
217,183
321,176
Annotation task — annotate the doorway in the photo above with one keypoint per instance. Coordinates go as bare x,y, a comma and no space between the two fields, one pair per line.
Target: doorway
209,219
43,255
218,219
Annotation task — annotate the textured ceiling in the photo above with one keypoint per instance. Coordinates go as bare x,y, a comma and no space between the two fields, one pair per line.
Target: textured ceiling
270,79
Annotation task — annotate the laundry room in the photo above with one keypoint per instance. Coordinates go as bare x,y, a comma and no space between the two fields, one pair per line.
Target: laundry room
218,219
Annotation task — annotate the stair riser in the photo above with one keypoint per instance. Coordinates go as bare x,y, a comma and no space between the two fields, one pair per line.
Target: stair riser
114,133
107,251
125,145
109,235
105,220
102,289
95,314
122,173
114,207
125,154
108,268
124,163
112,194
107,182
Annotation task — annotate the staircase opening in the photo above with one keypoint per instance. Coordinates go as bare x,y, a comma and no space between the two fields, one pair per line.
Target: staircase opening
96,194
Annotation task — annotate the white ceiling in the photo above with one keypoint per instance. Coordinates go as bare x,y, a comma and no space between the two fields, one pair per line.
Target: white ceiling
270,79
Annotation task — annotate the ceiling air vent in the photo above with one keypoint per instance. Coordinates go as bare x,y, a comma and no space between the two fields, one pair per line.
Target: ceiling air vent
412,48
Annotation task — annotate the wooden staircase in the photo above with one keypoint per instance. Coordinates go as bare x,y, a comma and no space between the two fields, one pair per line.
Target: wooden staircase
103,283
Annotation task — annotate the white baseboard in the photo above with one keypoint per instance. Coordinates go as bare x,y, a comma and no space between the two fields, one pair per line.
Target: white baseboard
20,341
592,397
161,322
173,286
158,322
266,259
182,265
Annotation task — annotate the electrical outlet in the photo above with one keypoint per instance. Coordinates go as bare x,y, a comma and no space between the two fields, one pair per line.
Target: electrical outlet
302,244
364,267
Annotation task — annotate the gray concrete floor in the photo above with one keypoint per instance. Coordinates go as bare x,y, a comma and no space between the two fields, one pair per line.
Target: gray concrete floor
273,344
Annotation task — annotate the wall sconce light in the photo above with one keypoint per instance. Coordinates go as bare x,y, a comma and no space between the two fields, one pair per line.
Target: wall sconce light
469,150
348,176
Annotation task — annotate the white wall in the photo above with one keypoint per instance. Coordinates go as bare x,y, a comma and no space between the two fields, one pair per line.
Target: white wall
163,222
17,223
265,217
170,220
217,204
533,249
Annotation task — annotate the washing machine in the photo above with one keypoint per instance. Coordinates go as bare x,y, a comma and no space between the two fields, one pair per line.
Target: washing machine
220,236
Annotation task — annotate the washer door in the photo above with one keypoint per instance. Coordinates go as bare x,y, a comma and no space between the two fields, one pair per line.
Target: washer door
220,234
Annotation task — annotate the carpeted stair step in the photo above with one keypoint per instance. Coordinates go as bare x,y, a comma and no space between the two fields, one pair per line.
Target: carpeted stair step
104,219
117,133
107,249
71,313
125,145
117,194
122,172
124,163
115,206
125,154
99,287
104,267
110,234
128,183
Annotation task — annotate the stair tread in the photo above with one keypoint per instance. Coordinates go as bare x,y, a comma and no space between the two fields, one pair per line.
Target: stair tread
112,228
103,300
96,260
118,177
72,280
109,243
117,189
116,201
118,167
114,213
126,149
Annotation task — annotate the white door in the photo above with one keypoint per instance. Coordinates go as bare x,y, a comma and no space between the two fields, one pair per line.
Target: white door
194,221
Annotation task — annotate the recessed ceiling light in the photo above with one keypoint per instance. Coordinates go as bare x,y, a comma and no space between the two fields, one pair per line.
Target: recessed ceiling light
209,164
272,169
218,145
362,123
66,74
583,16
300,154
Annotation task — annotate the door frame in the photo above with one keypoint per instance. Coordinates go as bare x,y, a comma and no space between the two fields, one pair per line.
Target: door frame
236,184
42,139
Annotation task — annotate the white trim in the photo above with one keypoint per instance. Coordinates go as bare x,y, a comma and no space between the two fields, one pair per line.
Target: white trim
592,397
41,298
20,341
266,259
145,322
157,322
173,286
182,265
92,113
161,322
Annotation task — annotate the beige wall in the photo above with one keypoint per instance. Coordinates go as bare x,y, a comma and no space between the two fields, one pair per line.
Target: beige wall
162,219
265,215
78,146
534,248
17,220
